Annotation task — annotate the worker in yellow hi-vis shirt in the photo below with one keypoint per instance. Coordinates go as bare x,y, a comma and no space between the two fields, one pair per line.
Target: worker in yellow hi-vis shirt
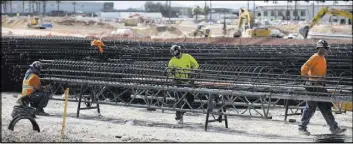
180,67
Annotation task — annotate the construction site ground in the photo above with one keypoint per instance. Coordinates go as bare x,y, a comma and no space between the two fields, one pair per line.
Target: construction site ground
176,32
126,124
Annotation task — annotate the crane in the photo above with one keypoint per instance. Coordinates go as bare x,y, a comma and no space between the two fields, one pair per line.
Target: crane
325,10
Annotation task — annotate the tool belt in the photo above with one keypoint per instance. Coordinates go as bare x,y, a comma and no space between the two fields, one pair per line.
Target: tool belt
314,83
315,86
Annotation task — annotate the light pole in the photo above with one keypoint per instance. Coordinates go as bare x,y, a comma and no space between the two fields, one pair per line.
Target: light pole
275,2
248,4
295,10
210,10
254,14
170,7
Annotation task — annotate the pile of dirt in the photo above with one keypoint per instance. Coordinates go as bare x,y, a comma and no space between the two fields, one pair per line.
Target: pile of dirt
170,32
157,32
72,22
317,29
187,22
104,25
234,41
13,22
344,29
286,29
143,32
165,34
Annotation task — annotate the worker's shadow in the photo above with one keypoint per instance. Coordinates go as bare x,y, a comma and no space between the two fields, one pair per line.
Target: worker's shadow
186,125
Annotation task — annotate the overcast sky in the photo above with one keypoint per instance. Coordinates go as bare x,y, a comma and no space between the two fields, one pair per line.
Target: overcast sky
215,4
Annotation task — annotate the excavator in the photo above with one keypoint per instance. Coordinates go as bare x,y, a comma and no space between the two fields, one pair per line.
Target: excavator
325,10
38,23
246,26
201,30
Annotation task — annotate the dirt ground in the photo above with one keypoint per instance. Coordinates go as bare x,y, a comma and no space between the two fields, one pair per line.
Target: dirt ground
317,29
123,124
181,32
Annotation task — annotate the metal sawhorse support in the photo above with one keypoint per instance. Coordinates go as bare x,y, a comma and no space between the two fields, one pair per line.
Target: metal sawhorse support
89,99
210,107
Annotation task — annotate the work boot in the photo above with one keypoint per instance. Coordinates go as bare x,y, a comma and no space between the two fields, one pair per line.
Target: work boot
304,131
338,130
179,117
180,120
40,111
151,109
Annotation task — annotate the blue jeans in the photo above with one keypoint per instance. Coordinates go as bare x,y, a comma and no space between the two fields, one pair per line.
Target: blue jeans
324,107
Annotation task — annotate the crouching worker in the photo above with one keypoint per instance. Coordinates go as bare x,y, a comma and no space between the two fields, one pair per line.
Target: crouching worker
179,67
32,92
315,70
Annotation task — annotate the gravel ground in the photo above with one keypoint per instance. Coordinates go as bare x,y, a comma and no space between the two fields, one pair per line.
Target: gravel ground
123,124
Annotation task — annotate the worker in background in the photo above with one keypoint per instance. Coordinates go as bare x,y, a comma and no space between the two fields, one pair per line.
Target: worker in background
180,67
315,71
207,32
99,44
224,28
33,92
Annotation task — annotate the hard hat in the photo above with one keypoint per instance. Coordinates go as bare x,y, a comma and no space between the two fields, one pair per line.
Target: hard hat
175,50
322,44
36,65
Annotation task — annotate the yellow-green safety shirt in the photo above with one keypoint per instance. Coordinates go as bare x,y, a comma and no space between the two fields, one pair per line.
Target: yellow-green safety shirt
186,62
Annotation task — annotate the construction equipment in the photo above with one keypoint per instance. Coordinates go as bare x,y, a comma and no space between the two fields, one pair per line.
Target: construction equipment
325,10
131,22
246,26
38,23
201,30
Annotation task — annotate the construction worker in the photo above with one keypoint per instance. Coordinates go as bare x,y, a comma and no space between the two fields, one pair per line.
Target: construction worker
32,91
99,44
315,71
180,66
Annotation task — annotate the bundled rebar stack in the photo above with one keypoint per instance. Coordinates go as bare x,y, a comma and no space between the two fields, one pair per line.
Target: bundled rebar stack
19,52
248,83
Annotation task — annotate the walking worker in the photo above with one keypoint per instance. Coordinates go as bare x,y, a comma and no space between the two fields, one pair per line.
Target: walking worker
32,90
315,70
180,66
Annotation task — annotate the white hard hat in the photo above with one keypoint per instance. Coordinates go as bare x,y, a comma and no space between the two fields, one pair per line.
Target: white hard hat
37,65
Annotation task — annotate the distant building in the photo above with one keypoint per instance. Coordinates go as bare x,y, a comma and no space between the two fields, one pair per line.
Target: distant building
125,15
223,13
217,13
66,6
302,13
108,6
181,11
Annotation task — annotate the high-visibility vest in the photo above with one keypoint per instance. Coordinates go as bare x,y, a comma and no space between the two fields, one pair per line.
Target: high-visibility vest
99,44
26,88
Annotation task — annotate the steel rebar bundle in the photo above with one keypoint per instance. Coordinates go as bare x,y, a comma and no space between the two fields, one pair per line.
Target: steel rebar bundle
19,52
247,83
